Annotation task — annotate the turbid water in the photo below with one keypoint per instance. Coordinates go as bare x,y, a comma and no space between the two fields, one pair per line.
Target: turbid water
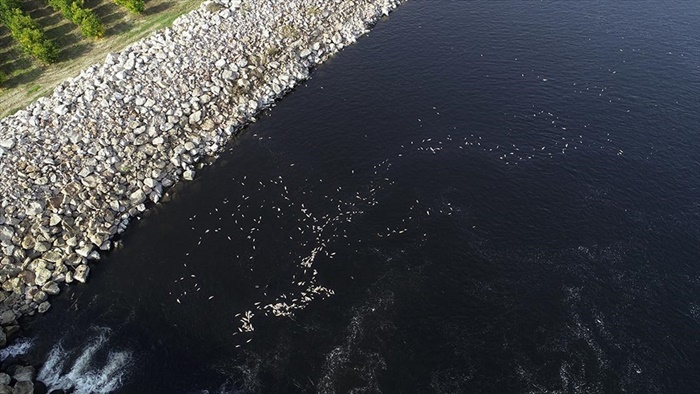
479,196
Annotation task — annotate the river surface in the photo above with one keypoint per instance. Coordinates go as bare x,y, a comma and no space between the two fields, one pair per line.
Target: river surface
478,196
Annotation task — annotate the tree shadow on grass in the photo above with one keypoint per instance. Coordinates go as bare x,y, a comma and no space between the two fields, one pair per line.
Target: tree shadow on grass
54,24
7,43
115,19
64,35
73,51
39,9
105,10
120,28
12,60
16,63
47,20
109,20
24,77
166,5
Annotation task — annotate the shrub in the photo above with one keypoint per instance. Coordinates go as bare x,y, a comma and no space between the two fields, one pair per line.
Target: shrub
64,6
135,6
75,10
90,26
27,32
8,4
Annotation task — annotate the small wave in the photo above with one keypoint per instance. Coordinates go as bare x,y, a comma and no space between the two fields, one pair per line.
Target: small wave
18,348
85,375
358,358
223,389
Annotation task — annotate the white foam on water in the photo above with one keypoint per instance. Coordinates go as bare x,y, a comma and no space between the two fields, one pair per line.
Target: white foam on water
106,379
224,389
50,372
18,348
85,375
355,359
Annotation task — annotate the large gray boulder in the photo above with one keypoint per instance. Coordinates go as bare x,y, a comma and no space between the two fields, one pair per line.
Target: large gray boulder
137,197
42,275
51,288
7,317
81,273
24,387
24,373
6,233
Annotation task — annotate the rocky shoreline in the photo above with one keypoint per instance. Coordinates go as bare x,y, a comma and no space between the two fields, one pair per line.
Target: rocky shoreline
75,167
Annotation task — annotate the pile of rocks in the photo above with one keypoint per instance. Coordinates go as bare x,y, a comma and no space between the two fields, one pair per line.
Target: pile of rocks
76,166
20,379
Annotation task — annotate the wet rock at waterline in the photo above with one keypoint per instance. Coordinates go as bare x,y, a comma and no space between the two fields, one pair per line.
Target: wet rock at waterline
24,374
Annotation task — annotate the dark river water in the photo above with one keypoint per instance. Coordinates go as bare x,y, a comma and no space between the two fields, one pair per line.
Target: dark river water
478,196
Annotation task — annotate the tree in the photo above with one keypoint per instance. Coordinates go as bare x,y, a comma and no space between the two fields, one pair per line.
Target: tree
75,10
135,6
27,32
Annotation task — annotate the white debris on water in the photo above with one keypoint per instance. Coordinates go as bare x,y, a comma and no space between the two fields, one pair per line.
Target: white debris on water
266,220
246,325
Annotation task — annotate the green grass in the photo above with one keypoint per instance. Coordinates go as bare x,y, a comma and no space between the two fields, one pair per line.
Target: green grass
27,80
34,89
162,21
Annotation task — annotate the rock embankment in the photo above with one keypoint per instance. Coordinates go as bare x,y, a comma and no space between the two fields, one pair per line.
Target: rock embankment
76,166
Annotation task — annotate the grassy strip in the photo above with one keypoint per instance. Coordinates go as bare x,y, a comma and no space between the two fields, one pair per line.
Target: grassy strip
75,10
27,32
